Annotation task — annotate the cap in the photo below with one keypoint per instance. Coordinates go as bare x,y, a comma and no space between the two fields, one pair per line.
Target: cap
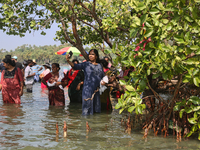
15,57
34,61
47,65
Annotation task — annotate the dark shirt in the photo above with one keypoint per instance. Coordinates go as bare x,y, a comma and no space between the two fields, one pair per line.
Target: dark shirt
19,65
2,67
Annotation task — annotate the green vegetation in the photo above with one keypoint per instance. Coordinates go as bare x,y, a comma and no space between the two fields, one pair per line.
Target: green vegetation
160,38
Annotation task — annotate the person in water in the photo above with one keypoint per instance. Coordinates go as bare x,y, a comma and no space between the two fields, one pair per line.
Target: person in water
53,81
93,73
75,82
47,69
29,77
12,82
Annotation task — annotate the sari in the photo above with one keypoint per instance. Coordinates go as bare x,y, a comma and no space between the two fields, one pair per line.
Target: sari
56,93
10,81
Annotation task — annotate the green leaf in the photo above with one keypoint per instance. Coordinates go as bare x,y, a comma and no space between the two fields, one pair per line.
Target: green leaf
43,33
142,84
148,72
130,88
196,81
195,100
165,76
169,26
141,6
154,11
122,82
165,21
176,107
188,110
188,18
198,124
194,47
155,76
137,21
149,32
189,134
160,6
148,25
194,128
179,39
192,120
133,32
121,110
199,133
130,109
143,18
181,113
118,105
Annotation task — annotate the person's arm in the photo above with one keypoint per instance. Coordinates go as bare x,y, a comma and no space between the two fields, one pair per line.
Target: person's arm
30,75
2,76
68,60
21,81
40,69
27,72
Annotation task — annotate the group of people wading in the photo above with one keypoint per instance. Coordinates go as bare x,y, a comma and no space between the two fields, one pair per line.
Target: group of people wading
85,82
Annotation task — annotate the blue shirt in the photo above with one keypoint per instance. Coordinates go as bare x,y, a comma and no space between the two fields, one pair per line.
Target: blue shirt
35,68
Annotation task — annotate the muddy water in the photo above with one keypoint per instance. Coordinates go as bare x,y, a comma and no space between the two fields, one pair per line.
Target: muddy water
32,126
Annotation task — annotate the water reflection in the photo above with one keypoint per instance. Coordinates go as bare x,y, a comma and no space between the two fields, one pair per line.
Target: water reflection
10,122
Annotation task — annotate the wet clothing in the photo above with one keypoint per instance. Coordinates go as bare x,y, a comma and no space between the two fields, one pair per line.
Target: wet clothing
56,93
44,73
10,81
74,78
30,80
35,69
92,77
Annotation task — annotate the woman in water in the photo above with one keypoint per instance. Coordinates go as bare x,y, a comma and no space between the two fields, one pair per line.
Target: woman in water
12,82
93,73
47,69
53,81
75,81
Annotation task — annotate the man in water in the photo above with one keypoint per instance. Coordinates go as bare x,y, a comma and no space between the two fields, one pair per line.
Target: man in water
29,76
36,68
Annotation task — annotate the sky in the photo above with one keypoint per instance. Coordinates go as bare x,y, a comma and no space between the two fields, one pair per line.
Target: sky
10,42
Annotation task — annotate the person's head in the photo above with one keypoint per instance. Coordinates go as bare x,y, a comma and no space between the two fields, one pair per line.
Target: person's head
106,58
8,56
8,63
55,67
104,63
47,66
14,58
25,63
94,56
30,63
75,61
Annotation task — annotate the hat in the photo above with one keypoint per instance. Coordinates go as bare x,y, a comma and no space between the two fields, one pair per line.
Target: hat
47,65
25,62
15,57
34,61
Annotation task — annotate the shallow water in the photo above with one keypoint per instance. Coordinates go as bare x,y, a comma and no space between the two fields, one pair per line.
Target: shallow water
32,126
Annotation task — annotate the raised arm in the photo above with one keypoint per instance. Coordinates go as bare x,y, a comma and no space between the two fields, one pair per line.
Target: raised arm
69,62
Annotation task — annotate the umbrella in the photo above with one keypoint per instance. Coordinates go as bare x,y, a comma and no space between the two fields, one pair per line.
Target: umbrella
66,50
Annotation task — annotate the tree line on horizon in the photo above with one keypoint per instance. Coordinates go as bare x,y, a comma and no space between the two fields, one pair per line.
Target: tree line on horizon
41,54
